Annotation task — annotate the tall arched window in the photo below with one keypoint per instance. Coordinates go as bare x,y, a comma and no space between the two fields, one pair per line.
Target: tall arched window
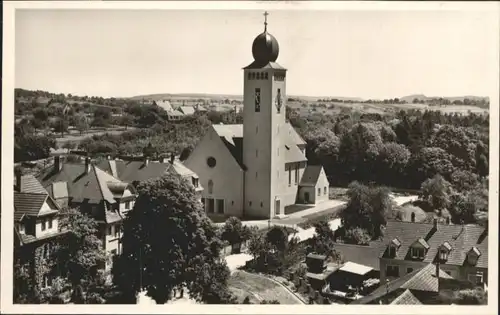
210,186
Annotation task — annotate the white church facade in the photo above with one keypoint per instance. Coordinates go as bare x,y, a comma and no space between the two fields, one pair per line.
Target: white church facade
256,169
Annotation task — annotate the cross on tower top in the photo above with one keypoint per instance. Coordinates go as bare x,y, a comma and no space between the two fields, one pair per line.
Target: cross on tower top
265,21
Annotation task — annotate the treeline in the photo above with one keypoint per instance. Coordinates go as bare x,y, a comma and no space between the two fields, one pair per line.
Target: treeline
398,152
483,102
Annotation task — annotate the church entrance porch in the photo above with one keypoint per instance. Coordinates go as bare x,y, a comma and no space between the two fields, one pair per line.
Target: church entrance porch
306,197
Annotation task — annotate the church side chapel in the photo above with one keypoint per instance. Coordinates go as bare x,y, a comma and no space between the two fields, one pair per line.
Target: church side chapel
256,169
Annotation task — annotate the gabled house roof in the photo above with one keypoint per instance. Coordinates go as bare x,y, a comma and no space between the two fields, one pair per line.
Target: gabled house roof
29,198
461,238
232,136
138,171
187,110
407,298
423,279
91,186
165,105
311,175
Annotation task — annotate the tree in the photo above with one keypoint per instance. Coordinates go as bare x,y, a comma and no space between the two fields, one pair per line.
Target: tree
436,191
82,124
471,297
367,208
356,236
169,242
323,242
79,252
30,147
235,233
277,236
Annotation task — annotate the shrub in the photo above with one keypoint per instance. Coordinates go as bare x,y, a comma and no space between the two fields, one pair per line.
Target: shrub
357,236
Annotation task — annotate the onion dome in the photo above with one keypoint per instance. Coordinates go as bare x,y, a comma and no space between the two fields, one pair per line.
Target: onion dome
265,47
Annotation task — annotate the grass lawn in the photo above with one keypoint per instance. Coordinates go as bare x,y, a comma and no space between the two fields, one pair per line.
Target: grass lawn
258,288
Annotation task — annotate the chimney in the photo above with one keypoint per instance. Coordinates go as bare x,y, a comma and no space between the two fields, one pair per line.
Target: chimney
87,165
435,223
146,161
172,158
57,163
437,273
19,177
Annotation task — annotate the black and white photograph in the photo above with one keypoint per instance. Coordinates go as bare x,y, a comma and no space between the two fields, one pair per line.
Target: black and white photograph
176,157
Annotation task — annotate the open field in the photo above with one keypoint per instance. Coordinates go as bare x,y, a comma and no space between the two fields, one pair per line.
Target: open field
258,288
75,137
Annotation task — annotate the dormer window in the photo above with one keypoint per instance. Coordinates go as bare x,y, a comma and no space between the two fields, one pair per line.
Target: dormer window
195,182
418,249
393,247
443,252
472,256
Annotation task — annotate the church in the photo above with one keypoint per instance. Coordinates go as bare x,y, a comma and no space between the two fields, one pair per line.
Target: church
256,169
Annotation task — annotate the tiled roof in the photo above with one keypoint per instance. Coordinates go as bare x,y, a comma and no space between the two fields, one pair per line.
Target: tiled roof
407,298
132,171
295,135
91,186
461,239
28,204
29,184
363,255
423,279
165,105
174,113
187,110
311,175
232,136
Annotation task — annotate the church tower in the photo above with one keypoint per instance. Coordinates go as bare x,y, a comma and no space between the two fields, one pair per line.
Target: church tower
264,128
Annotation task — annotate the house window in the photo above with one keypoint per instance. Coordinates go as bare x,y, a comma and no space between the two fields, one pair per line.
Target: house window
117,230
443,254
195,182
319,191
261,204
44,224
392,271
50,223
324,191
266,76
257,100
278,101
392,251
211,205
108,232
289,175
127,205
210,186
408,270
296,174
417,253
476,278
220,205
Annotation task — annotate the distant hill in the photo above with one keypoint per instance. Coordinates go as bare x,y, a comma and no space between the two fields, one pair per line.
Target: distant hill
204,96
410,98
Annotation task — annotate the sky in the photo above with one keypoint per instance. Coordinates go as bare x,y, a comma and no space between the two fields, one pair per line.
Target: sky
367,54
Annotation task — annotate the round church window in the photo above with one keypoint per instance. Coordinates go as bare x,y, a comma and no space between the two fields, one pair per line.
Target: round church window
211,162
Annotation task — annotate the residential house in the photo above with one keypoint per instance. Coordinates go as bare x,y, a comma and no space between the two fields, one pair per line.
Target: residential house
165,105
421,286
314,186
461,250
136,171
174,115
95,192
187,110
35,227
